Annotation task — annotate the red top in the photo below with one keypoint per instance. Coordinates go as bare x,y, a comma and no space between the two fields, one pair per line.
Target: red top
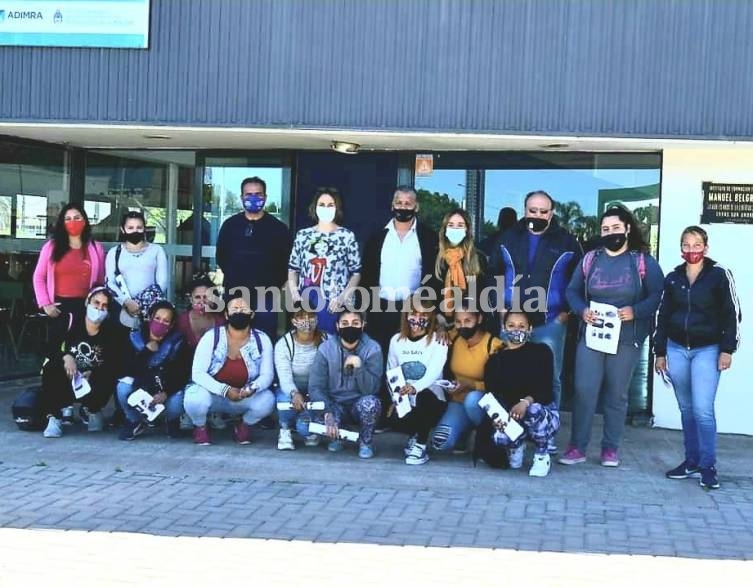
233,373
73,274
183,324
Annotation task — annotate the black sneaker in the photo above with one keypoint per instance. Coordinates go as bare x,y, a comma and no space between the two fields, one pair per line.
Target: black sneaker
131,430
685,470
708,478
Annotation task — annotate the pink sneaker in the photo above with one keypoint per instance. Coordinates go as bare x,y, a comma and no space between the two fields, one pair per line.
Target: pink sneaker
201,436
242,433
609,458
572,456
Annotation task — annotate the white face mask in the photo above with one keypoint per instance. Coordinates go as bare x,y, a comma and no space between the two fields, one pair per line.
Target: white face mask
325,214
455,235
95,315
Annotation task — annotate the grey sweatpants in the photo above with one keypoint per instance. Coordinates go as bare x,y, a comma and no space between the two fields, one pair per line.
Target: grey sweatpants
594,372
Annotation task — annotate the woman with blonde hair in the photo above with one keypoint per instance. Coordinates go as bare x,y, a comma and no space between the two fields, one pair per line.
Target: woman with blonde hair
421,358
458,263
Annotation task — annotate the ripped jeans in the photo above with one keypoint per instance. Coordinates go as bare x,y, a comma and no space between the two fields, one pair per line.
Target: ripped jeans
452,427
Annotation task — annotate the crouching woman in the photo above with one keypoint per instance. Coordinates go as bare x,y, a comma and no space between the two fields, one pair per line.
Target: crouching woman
233,368
520,378
157,362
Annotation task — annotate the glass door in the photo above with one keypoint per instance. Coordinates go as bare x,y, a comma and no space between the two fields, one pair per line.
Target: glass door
221,199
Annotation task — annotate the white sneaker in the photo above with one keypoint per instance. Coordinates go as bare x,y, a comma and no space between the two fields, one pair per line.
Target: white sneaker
516,455
312,440
96,422
54,428
216,421
417,455
409,447
541,465
285,440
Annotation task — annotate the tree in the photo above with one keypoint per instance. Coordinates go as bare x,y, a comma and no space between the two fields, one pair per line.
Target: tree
434,206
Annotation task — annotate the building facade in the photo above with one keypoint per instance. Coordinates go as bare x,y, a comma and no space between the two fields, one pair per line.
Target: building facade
595,102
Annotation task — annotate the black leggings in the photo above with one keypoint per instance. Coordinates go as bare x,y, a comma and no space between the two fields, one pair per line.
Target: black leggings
59,326
57,392
428,410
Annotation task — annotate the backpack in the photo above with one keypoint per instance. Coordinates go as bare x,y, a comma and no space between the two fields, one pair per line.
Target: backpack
485,449
27,410
590,257
257,338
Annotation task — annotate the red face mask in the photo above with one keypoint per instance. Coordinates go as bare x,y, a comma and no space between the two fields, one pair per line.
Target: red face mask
75,227
693,257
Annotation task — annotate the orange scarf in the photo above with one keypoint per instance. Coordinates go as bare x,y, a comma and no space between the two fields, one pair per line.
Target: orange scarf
454,276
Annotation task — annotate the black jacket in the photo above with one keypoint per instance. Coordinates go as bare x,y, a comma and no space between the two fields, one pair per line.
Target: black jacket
703,314
428,242
557,256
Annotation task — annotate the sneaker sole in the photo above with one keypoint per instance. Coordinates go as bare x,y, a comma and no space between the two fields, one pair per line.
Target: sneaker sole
421,462
530,474
696,475
285,447
708,487
571,461
610,463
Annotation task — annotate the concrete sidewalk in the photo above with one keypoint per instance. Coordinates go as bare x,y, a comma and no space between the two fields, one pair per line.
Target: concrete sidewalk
154,485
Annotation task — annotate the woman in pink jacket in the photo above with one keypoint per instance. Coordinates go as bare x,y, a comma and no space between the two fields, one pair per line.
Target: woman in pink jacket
69,265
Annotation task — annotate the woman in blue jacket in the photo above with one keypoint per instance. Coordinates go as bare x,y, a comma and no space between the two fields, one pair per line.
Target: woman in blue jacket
619,273
697,332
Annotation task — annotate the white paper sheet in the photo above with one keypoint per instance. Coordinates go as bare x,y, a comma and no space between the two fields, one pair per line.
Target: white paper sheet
604,335
140,400
80,385
496,412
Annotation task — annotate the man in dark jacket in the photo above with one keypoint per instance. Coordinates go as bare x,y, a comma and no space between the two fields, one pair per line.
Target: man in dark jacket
253,248
536,258
398,260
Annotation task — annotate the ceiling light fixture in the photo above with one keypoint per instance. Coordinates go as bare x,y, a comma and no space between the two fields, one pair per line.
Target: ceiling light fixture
345,147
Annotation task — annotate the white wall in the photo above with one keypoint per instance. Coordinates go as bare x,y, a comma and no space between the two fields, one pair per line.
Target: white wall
683,171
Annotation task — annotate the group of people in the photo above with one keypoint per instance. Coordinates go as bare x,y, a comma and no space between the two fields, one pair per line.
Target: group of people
113,327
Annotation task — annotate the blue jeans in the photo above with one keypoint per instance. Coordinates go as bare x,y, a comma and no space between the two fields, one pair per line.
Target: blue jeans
552,334
199,402
325,320
290,419
452,426
173,404
695,376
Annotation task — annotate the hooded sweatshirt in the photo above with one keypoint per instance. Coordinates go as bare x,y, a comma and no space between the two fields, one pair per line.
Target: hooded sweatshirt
331,383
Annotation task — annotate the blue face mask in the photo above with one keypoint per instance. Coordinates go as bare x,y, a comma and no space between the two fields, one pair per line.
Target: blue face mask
253,203
515,336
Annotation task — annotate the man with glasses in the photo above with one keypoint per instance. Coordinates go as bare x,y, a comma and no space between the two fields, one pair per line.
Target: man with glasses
252,250
538,253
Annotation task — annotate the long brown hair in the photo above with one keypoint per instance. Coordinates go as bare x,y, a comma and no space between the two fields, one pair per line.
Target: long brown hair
416,304
471,264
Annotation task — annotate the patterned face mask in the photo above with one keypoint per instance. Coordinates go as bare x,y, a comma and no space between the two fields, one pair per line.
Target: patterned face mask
305,325
418,323
516,336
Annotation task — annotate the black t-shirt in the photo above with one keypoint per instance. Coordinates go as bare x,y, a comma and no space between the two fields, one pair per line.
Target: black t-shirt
91,352
512,374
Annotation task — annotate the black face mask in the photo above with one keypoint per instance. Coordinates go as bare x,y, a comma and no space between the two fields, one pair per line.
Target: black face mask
239,320
402,215
537,224
351,334
134,237
614,242
467,332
